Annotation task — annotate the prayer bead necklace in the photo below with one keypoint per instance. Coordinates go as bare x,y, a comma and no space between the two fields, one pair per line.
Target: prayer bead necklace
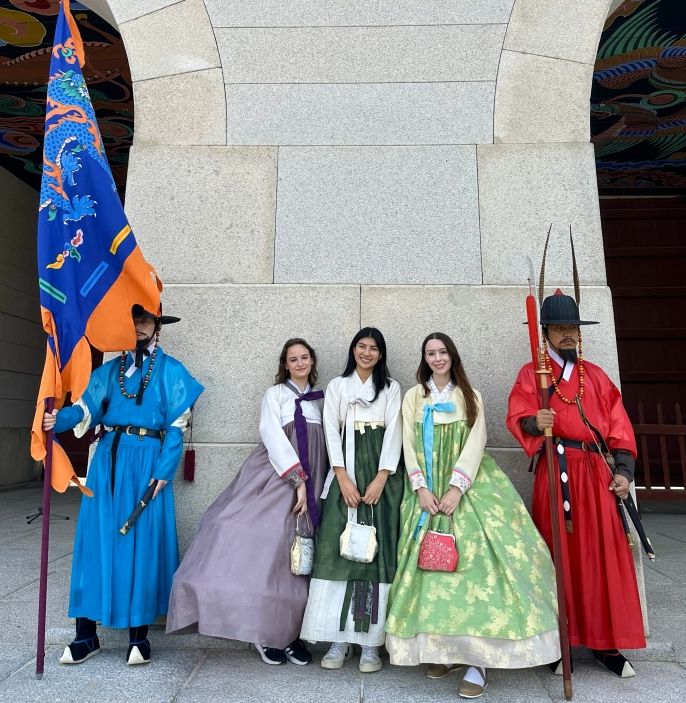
549,368
122,364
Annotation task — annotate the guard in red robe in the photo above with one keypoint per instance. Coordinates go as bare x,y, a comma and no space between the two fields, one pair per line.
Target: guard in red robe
603,605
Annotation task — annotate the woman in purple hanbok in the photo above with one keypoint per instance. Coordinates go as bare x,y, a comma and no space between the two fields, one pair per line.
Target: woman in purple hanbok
235,580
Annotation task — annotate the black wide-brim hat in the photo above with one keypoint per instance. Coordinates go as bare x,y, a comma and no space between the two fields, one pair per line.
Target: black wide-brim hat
140,311
561,309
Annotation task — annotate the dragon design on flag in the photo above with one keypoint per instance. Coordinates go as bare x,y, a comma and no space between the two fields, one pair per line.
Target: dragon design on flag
71,131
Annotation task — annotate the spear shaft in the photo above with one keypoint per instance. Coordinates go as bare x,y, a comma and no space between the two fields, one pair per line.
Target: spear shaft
555,499
44,548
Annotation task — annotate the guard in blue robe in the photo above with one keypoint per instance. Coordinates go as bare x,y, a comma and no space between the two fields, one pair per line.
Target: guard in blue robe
143,399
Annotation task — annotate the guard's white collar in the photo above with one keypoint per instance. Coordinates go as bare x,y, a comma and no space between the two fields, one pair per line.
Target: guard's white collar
566,366
132,368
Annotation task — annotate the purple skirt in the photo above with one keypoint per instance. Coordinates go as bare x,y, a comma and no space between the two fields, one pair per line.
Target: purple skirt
235,580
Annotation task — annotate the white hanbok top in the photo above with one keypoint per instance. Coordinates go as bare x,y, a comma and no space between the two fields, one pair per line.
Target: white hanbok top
349,406
278,409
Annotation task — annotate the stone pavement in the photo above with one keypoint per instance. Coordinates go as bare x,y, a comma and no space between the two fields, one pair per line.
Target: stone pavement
195,669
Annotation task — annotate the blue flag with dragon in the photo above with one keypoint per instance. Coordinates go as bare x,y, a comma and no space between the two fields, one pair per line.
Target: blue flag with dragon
90,268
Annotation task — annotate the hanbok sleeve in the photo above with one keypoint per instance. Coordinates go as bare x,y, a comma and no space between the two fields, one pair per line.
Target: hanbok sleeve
181,391
96,394
332,424
392,443
522,403
467,464
414,471
620,436
70,417
172,448
282,455
87,411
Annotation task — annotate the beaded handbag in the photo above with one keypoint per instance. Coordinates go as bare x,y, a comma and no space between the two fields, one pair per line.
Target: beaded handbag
438,550
302,549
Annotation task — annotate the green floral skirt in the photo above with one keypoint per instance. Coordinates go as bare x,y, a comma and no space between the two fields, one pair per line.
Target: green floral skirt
499,607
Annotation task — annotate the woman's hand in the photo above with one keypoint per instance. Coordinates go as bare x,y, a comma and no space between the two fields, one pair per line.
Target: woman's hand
620,486
160,485
300,507
427,500
545,419
49,420
450,500
349,491
375,488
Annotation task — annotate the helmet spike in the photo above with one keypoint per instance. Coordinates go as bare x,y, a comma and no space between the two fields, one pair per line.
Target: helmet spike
541,280
575,271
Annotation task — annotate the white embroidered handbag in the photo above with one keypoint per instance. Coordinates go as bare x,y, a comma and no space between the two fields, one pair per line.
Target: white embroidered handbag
302,550
358,541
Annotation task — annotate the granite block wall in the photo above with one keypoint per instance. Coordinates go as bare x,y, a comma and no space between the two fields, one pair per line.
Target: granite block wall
304,167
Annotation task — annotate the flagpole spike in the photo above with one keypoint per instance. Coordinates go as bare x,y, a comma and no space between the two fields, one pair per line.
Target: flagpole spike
541,280
575,271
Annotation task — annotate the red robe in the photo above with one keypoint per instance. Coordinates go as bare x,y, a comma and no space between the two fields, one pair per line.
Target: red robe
603,605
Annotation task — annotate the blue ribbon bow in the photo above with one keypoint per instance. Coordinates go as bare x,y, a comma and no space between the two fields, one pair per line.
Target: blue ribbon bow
428,436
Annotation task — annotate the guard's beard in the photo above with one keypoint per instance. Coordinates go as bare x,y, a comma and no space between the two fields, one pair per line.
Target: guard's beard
141,347
568,355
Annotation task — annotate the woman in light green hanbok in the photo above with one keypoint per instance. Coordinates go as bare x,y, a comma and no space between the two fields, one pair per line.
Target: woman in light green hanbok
498,608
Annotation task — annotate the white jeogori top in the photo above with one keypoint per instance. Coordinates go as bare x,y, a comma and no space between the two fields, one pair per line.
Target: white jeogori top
348,406
278,409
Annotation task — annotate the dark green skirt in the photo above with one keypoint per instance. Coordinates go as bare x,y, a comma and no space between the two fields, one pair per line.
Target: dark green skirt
328,563
362,591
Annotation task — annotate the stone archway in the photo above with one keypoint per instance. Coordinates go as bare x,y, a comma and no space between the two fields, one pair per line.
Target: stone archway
214,206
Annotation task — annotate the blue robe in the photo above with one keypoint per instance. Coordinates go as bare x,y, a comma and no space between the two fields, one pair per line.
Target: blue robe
125,581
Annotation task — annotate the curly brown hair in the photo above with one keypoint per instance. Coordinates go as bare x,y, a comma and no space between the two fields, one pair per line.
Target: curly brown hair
283,374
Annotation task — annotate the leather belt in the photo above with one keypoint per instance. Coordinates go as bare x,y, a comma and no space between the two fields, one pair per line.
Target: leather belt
575,444
140,432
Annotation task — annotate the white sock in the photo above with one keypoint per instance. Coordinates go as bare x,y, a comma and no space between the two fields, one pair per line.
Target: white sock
474,676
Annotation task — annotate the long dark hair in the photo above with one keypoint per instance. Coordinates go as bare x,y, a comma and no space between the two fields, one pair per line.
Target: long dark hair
457,375
283,374
380,376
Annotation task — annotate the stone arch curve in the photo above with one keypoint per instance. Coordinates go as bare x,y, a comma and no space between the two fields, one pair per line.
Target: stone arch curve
541,166
175,68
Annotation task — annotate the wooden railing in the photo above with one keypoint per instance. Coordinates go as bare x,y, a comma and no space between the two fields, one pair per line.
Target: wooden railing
661,464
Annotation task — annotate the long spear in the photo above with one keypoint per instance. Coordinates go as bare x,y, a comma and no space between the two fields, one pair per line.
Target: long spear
44,547
553,485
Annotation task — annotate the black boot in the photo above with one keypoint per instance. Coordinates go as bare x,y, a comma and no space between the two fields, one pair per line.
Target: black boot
85,645
615,661
556,667
139,648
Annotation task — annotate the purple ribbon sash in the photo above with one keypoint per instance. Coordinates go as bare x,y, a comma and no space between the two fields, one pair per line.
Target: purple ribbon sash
303,450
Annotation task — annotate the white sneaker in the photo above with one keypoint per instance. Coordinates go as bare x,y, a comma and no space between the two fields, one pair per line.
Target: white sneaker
370,660
337,654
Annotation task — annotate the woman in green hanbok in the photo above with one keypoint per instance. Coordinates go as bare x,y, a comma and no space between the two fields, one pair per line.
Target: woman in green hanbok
498,608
